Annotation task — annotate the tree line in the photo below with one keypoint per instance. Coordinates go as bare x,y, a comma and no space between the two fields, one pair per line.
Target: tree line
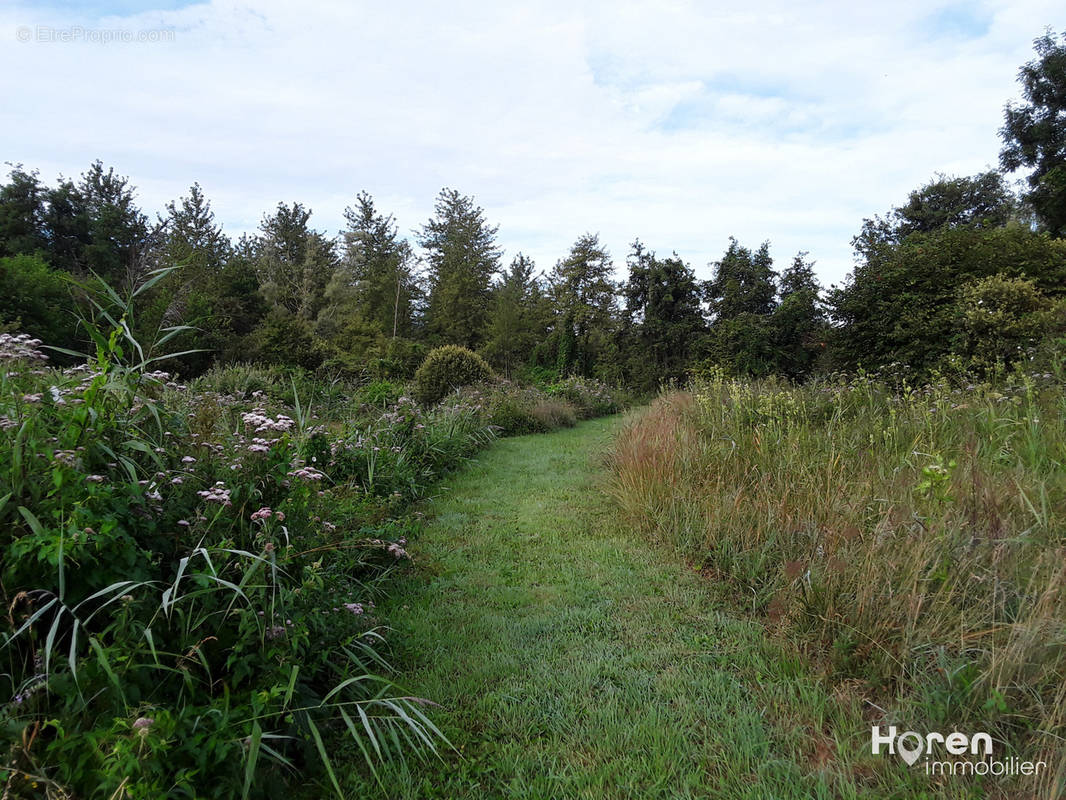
964,270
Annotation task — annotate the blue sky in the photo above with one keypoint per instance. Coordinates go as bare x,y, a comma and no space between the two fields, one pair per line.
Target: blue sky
679,122
98,10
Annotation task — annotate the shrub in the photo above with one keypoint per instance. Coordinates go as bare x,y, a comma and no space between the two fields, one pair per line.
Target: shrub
512,414
551,413
285,338
515,410
590,397
446,369
380,393
1002,318
36,300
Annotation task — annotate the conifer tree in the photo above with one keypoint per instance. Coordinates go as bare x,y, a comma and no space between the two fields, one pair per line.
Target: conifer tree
461,258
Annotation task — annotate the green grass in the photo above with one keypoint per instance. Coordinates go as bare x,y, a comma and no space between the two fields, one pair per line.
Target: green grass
572,660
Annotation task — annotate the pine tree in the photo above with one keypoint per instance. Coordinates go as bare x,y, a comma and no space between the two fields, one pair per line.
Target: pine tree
743,282
375,275
462,258
584,293
120,241
195,244
518,321
741,298
294,262
194,240
22,213
800,327
663,315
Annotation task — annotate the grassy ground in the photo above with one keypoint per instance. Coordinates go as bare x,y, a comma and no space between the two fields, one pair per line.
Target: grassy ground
573,660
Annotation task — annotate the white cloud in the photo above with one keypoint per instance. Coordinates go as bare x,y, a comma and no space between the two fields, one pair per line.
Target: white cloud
675,121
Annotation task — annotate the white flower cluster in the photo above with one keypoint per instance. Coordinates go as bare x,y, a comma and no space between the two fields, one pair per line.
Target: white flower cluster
14,347
260,422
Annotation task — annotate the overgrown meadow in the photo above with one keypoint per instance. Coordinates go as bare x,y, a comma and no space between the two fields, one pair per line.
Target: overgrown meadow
908,540
190,571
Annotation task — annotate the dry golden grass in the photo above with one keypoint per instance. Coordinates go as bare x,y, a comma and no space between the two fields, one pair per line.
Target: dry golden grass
912,541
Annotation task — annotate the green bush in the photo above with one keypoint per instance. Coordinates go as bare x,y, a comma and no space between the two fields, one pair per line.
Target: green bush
446,369
380,393
242,380
515,411
1001,318
551,413
288,339
36,300
590,397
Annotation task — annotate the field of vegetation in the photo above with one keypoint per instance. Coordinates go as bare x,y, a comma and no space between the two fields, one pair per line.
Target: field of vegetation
908,541
190,571
246,549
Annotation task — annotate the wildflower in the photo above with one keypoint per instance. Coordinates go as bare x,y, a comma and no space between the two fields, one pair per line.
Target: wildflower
31,398
188,460
143,725
355,608
183,523
177,480
275,631
260,422
217,494
14,347
307,473
280,516
94,478
262,514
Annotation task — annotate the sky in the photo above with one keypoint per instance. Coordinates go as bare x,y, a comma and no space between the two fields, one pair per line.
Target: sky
677,122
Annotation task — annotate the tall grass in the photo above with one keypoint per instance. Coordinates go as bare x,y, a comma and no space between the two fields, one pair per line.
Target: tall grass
911,541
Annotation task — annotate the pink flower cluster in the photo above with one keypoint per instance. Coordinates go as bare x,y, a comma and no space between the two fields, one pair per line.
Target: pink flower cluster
356,608
260,422
266,513
143,724
395,549
307,474
14,347
217,494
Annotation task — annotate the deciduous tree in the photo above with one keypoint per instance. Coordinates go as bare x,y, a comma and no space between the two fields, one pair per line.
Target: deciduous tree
1034,132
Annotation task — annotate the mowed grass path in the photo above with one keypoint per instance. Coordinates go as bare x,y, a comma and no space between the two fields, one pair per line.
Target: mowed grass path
572,659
